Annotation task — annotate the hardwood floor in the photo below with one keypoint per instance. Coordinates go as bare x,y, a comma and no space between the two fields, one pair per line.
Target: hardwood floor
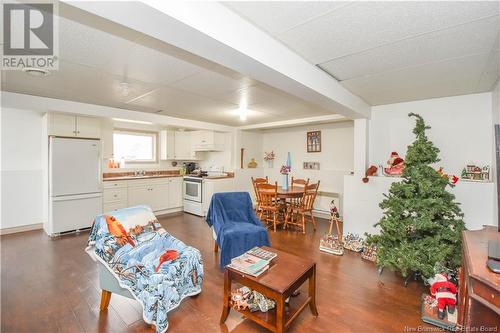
52,286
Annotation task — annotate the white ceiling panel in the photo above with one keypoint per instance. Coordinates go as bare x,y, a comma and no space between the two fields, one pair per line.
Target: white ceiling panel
454,77
279,16
83,44
365,25
76,82
210,83
491,71
472,38
174,101
149,65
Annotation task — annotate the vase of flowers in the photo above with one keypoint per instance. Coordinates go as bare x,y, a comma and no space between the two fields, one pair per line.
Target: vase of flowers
269,158
285,170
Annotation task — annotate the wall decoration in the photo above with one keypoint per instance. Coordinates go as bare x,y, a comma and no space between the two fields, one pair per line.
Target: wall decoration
242,151
310,165
269,158
252,164
475,173
314,142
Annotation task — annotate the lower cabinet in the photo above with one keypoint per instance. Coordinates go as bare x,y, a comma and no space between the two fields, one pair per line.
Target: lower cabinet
158,193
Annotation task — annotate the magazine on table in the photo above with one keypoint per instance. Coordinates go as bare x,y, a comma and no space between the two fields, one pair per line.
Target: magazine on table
253,262
262,254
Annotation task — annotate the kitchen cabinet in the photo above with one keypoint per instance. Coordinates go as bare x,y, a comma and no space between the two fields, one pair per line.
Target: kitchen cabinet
115,195
182,146
176,145
175,192
158,193
211,186
167,145
74,126
207,141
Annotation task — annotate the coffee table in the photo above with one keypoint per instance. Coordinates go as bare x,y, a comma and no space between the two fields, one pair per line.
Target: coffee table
286,274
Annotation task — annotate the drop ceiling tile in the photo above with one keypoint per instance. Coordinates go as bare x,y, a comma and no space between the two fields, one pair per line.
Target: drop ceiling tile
149,65
83,44
366,25
279,16
210,83
76,82
472,38
453,77
174,101
491,71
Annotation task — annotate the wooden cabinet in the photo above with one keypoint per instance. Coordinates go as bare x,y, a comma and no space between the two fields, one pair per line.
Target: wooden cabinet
74,126
479,291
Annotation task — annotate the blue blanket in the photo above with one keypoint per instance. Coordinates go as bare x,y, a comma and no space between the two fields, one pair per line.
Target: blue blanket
237,227
158,269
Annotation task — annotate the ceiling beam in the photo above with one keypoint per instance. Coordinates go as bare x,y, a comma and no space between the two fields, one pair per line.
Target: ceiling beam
296,122
45,104
212,31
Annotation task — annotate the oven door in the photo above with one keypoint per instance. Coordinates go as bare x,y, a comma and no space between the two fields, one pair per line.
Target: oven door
192,189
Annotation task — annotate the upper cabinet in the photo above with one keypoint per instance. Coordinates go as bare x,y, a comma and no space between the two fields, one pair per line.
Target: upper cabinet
182,146
176,145
73,126
167,145
207,141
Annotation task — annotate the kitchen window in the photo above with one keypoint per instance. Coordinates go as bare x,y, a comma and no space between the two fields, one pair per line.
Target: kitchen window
135,146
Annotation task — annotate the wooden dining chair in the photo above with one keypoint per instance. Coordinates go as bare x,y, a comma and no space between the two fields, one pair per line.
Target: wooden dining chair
269,203
299,182
254,185
305,206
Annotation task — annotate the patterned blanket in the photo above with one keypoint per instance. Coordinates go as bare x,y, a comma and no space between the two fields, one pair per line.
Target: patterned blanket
158,269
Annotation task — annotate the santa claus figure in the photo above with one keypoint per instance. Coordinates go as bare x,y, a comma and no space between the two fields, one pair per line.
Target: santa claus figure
395,166
445,293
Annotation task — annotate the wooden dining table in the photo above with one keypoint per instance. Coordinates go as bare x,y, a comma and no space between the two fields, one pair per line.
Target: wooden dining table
291,192
295,192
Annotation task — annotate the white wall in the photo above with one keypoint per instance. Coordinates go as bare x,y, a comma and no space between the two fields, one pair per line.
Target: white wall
21,168
461,129
336,157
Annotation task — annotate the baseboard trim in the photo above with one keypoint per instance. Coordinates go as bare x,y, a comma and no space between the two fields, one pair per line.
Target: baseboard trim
23,228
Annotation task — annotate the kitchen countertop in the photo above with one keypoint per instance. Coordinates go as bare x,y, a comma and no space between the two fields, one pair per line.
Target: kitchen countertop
107,179
218,177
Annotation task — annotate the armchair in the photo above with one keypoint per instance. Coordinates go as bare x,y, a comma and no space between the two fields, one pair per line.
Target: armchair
235,225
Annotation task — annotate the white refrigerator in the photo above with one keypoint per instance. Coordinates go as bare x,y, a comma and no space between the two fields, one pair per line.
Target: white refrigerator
75,184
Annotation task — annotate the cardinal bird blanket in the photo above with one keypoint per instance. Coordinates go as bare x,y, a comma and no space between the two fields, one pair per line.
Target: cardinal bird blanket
158,269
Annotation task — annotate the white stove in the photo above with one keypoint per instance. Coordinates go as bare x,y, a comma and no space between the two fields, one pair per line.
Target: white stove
193,195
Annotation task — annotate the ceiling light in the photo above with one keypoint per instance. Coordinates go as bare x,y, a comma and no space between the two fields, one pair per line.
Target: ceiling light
35,71
243,111
132,121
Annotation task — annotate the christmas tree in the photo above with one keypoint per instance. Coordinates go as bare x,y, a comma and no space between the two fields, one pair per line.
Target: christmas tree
422,225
